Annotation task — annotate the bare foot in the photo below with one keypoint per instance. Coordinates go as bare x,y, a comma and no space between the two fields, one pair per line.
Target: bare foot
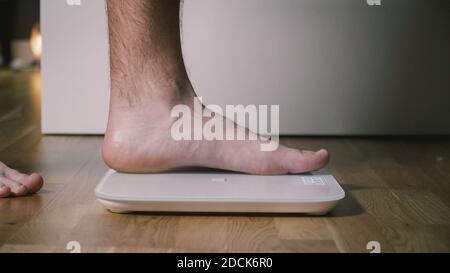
148,78
15,184
139,140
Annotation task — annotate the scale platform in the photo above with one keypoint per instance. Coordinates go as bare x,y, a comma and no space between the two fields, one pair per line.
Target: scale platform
217,192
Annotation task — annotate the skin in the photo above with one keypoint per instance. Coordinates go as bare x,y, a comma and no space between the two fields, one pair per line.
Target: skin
148,78
15,184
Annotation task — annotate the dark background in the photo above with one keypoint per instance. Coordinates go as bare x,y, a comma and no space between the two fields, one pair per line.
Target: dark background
16,20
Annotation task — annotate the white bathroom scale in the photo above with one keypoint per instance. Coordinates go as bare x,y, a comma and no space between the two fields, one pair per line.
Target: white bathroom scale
219,192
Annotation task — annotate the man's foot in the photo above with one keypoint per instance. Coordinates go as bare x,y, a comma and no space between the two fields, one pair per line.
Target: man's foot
15,184
148,78
138,140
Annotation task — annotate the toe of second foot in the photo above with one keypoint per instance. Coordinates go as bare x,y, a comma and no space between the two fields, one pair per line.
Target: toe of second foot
4,191
19,191
33,183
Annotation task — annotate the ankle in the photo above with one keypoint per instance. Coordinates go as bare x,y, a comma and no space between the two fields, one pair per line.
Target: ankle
143,90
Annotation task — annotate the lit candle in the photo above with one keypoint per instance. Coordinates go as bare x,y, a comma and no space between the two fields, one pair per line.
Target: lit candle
36,42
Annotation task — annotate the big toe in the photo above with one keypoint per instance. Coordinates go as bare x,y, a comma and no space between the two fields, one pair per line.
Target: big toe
33,182
306,161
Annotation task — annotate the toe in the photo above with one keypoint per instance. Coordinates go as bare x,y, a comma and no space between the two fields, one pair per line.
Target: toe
16,188
19,190
309,161
32,182
4,191
323,156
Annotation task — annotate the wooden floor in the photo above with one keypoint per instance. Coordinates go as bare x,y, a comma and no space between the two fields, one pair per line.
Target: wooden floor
398,193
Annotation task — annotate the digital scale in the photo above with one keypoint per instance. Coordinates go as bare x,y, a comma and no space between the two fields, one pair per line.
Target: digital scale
219,192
